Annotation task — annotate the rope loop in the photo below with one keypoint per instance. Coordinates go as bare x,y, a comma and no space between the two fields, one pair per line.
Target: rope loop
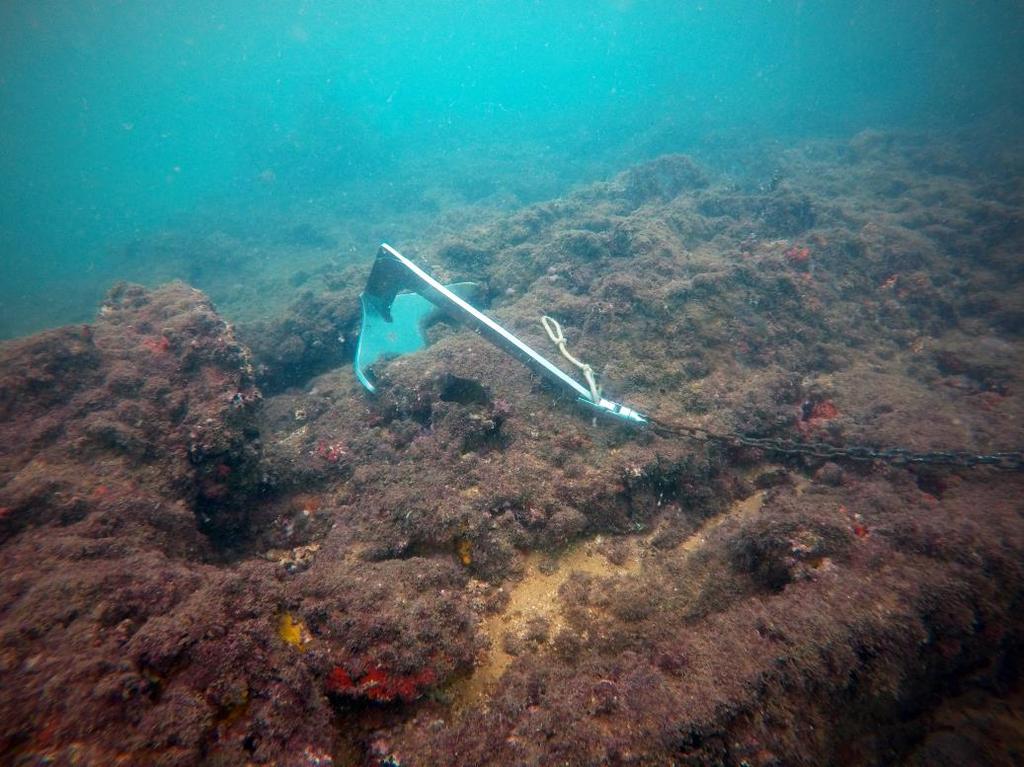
554,331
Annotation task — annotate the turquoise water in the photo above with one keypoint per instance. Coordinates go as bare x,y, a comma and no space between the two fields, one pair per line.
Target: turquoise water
119,120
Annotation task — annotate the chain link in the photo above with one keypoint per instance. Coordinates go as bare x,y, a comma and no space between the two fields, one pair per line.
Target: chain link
898,456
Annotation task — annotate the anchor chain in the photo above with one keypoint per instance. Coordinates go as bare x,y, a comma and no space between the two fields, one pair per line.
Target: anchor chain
897,456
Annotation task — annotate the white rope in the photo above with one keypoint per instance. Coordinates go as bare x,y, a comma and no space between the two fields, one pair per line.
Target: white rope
556,335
